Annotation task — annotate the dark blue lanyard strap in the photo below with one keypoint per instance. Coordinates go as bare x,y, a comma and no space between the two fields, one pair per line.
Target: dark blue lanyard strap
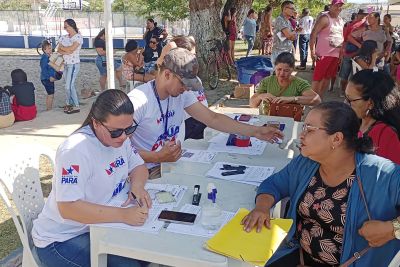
164,117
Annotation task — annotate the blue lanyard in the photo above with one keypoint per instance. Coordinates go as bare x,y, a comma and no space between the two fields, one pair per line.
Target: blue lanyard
164,117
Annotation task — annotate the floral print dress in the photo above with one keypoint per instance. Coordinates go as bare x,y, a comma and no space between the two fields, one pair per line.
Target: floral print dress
322,216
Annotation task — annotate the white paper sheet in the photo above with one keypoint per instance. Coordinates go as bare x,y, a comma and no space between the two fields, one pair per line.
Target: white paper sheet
197,229
253,175
218,144
152,225
194,155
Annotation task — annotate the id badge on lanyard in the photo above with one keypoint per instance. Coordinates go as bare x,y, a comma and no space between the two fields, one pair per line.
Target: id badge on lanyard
164,116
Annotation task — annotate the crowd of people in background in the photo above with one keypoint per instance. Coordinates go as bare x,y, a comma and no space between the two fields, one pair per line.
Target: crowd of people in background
335,172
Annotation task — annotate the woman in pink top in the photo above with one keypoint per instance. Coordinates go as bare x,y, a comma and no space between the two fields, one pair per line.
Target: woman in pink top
329,30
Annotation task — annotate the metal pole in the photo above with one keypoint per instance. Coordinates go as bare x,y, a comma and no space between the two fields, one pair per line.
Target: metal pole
109,44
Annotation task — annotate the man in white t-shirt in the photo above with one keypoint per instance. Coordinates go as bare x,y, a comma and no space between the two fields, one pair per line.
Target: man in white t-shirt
160,105
306,23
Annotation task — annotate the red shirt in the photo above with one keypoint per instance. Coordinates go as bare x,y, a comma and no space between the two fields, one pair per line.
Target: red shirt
386,141
349,28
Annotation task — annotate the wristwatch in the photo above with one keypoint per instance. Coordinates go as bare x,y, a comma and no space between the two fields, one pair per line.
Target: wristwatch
396,227
296,98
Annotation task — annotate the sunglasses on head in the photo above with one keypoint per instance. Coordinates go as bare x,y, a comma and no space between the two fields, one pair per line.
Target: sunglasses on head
117,133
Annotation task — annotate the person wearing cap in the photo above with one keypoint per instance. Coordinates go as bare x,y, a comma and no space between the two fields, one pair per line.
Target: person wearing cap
349,50
160,105
329,31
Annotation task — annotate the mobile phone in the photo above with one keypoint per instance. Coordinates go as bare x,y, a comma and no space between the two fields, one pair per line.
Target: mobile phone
244,117
177,217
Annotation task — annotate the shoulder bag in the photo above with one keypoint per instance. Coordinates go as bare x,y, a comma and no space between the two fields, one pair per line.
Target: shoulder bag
294,111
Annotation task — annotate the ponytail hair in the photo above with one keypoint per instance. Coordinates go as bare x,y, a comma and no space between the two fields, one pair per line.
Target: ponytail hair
340,117
110,102
72,23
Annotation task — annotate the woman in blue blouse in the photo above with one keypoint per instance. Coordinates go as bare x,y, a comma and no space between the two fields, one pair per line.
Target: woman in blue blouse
343,201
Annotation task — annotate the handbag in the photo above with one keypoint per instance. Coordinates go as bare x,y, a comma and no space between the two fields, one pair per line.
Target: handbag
294,111
357,254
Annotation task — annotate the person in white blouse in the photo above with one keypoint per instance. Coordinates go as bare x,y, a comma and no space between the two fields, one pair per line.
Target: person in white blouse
69,46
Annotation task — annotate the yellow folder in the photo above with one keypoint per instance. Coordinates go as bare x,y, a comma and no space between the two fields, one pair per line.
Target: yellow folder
255,248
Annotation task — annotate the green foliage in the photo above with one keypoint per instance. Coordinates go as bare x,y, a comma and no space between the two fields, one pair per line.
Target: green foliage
95,5
171,10
315,6
16,4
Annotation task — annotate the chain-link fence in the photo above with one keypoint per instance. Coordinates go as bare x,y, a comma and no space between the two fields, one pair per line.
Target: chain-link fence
48,24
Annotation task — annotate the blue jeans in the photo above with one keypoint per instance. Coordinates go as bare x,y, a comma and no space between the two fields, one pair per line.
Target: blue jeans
76,252
250,44
70,74
304,39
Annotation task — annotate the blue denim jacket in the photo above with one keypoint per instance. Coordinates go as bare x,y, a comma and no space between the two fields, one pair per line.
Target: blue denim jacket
381,183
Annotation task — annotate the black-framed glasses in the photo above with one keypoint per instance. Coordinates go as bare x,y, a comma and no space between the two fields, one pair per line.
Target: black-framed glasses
348,100
117,133
307,128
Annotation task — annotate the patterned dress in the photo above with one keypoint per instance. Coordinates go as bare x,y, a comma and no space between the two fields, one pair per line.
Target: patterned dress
322,216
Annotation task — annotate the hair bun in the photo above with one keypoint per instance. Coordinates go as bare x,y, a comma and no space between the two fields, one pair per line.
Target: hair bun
364,144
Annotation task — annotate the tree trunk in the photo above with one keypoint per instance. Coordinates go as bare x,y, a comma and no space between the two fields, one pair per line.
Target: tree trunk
205,24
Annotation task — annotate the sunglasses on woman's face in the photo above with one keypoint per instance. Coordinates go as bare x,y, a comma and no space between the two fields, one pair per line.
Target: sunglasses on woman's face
117,133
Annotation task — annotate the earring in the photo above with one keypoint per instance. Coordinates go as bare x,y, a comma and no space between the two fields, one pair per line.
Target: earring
333,148
367,112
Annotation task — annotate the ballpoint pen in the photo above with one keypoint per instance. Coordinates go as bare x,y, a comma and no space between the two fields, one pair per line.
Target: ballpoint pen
137,201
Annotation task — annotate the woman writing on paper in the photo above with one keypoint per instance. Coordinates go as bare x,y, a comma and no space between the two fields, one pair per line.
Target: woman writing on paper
83,185
284,87
343,200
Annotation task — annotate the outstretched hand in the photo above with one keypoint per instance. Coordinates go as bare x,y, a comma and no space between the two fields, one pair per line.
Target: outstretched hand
268,133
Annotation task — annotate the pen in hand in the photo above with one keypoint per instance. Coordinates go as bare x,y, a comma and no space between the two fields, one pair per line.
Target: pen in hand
137,201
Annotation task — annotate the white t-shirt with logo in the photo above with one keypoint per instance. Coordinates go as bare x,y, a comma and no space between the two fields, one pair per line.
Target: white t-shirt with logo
149,135
85,170
68,41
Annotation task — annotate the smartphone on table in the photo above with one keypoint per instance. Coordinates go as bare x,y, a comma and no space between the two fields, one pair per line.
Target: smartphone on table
177,217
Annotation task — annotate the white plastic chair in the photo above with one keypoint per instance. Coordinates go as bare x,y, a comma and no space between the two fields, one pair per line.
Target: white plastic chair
395,261
356,67
20,183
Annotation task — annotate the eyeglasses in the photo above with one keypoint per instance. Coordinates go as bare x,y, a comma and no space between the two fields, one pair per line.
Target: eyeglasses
348,100
307,128
117,133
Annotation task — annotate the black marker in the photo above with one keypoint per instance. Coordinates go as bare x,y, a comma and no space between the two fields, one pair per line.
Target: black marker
137,201
196,195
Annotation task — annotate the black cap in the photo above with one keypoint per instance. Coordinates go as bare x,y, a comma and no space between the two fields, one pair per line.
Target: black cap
362,11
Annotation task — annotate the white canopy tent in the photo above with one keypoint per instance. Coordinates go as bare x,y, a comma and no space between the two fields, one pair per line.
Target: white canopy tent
393,2
109,44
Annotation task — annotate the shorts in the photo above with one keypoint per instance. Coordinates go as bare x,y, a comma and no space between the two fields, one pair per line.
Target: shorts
346,68
49,86
326,68
103,67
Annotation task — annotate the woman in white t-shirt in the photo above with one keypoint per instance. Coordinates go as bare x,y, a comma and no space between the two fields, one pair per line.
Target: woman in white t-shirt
93,165
69,46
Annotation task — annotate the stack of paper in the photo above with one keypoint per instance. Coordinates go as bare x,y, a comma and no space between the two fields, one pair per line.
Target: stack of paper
253,175
197,229
218,144
193,155
255,248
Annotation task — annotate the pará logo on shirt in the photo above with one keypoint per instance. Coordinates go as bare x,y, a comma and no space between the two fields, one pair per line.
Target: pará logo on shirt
169,115
70,175
115,165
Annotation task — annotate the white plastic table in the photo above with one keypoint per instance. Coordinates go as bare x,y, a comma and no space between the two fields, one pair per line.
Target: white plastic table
170,248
